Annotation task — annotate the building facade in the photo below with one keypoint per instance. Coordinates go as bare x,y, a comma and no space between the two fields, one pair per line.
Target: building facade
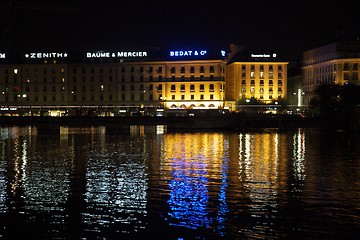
336,63
265,81
127,83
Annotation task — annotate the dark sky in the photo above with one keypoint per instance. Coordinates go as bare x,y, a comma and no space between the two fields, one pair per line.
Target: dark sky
286,27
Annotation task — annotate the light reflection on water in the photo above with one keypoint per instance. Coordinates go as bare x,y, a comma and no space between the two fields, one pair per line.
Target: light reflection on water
90,183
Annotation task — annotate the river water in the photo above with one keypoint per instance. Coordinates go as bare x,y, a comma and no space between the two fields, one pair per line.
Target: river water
87,183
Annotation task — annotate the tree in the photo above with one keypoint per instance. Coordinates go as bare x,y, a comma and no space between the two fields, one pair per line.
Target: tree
337,105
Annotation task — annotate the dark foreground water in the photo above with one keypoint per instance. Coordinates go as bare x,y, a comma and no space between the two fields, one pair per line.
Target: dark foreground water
87,183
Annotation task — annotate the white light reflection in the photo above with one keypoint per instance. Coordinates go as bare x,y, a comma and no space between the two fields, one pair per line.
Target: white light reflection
3,179
24,160
17,172
45,179
299,164
115,193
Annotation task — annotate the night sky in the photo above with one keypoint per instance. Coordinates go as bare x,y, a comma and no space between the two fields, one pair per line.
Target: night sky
285,27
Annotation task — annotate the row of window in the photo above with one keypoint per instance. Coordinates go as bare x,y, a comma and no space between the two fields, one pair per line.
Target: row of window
132,69
261,82
328,78
332,68
192,87
262,67
173,78
159,87
15,71
110,79
141,97
261,90
261,75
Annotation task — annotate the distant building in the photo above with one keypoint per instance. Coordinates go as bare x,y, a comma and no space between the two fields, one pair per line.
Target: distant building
336,63
295,90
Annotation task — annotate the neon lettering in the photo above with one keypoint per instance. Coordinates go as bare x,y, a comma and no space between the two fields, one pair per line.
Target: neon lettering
187,53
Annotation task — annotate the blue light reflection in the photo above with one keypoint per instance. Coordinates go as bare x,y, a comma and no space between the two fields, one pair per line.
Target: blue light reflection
189,195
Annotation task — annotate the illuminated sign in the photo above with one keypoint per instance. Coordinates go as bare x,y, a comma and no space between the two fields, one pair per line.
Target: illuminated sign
187,53
124,54
45,55
263,55
7,109
2,55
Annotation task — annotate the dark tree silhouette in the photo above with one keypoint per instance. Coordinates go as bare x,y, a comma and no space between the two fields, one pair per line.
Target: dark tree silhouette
338,106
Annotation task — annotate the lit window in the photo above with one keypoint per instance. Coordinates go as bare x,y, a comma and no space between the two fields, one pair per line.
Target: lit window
201,87
211,87
211,69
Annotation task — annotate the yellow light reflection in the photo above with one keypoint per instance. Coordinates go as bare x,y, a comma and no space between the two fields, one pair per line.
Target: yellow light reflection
261,163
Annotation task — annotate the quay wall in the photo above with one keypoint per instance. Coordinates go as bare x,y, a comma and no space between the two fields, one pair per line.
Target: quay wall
175,123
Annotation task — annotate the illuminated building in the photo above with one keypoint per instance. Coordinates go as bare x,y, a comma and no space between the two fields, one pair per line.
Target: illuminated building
259,76
336,63
135,82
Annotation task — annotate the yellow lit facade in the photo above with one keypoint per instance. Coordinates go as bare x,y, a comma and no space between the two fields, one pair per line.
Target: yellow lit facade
265,81
336,63
194,84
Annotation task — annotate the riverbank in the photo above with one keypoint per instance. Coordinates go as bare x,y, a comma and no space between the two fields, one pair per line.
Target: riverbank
173,123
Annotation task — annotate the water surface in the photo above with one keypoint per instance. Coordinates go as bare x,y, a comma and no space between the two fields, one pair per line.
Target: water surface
88,183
